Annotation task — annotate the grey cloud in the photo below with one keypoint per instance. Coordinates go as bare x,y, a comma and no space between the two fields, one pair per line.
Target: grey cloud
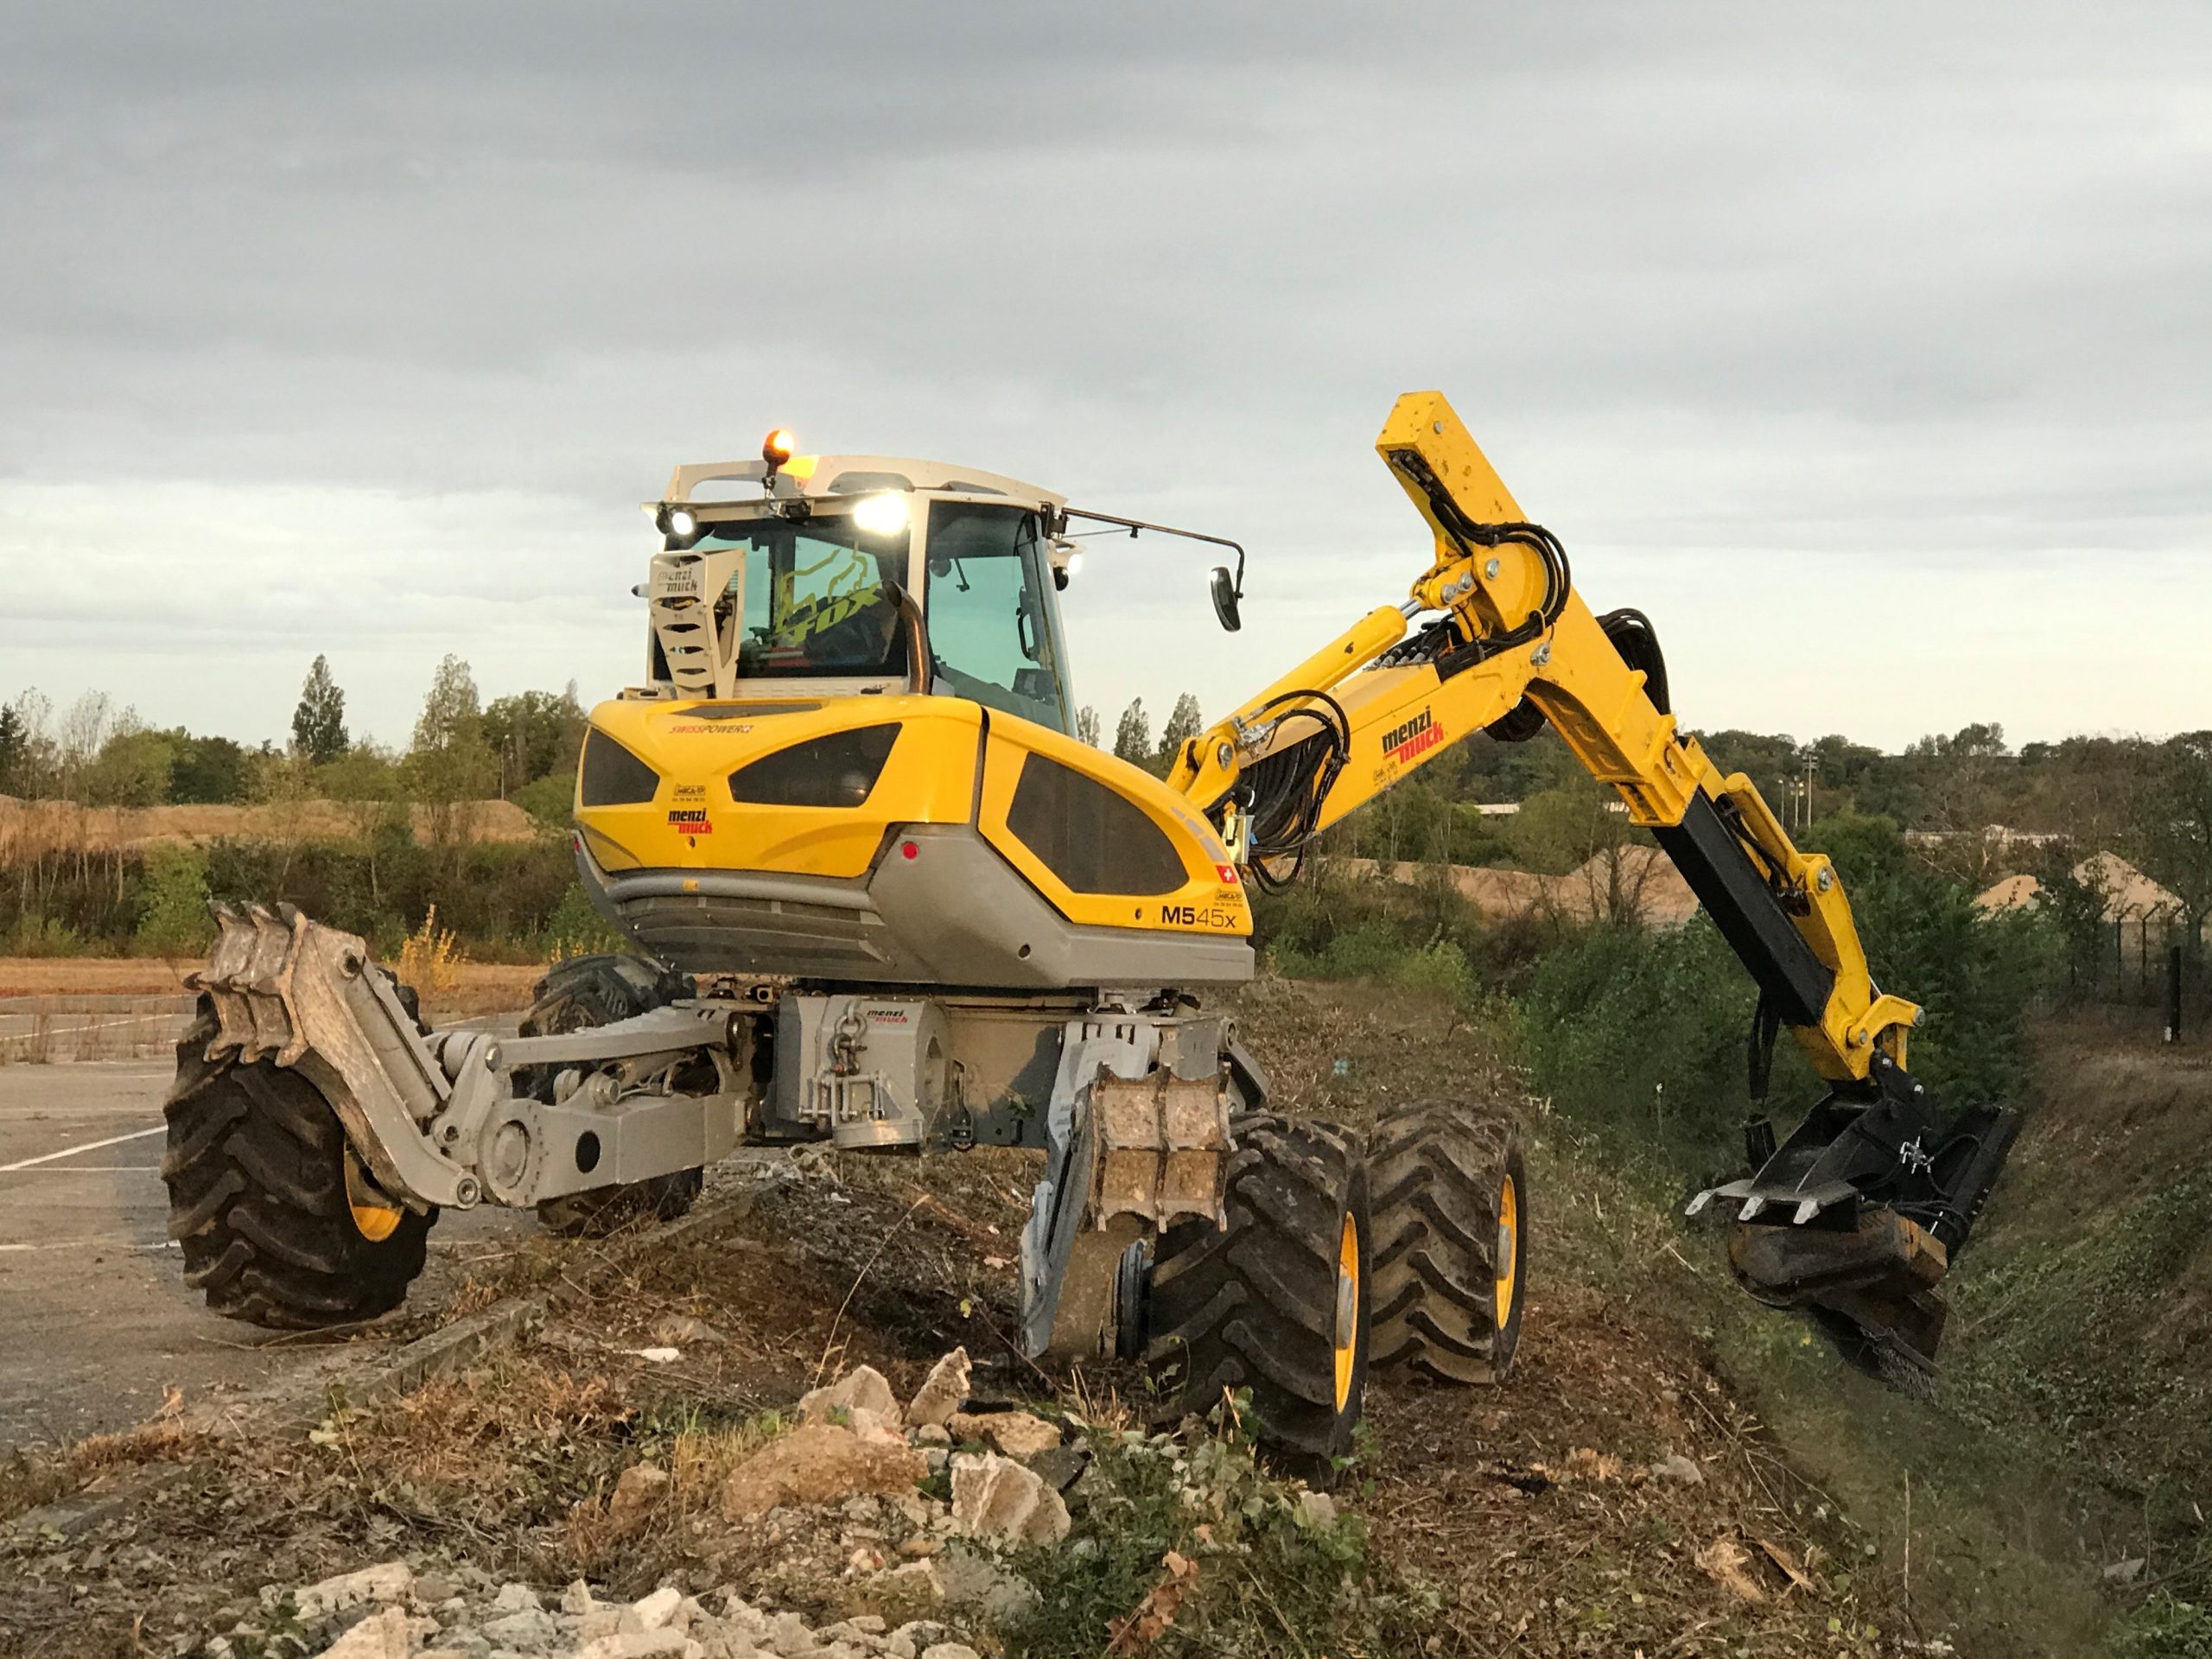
1919,284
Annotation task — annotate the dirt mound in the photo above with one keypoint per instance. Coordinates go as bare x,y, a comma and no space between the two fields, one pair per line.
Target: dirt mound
1640,881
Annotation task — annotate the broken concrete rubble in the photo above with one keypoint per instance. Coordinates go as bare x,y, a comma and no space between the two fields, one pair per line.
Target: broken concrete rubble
814,1464
997,1498
390,1621
944,1391
849,1460
638,1492
1017,1433
388,1633
388,1582
862,1388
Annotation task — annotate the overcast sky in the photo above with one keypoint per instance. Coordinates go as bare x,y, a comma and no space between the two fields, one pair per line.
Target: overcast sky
1867,347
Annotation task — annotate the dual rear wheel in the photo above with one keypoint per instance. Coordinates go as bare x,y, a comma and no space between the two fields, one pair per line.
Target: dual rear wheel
1402,1250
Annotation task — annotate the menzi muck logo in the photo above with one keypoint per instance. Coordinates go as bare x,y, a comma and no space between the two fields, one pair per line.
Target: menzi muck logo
1417,736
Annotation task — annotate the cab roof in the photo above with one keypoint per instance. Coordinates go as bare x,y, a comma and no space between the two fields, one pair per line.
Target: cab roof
826,476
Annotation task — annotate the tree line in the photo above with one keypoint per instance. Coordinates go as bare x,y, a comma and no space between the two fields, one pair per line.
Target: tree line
520,747
1974,803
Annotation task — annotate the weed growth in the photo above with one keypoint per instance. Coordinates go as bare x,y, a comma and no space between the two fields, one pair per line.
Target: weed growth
173,917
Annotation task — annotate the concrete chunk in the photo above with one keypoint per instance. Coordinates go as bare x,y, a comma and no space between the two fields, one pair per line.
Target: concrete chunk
995,1497
863,1387
942,1391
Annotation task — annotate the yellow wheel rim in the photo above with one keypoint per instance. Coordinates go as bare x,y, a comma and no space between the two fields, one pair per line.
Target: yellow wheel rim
376,1217
1347,1334
1508,1249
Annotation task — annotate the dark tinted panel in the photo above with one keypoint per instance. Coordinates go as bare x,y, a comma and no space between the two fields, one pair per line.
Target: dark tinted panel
1088,835
612,776
835,770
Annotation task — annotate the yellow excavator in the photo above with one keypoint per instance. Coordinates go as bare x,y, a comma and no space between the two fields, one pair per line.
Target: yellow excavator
880,896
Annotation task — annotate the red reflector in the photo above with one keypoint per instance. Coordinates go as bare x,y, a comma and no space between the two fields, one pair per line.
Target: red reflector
907,849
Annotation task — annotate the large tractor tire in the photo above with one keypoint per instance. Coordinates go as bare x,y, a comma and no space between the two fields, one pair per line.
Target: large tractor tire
1451,1241
1276,1302
279,1223
576,996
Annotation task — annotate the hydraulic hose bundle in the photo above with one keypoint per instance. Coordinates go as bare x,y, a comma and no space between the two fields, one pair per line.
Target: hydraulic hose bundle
1287,789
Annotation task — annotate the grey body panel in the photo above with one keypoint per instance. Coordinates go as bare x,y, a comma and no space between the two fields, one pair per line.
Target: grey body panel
956,914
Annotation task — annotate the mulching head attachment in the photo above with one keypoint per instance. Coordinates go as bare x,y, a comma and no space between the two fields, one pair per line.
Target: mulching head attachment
1858,1216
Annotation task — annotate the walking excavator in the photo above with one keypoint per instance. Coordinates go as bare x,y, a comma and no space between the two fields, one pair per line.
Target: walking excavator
881,897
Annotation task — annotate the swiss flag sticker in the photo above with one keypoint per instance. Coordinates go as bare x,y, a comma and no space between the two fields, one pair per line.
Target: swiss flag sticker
1227,873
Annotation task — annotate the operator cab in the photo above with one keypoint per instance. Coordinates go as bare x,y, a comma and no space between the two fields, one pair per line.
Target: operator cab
846,569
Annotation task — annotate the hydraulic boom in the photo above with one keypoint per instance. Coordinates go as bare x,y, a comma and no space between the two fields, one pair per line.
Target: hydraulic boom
1856,1217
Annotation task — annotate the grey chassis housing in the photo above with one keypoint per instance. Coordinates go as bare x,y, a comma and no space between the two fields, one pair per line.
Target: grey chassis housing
1132,1106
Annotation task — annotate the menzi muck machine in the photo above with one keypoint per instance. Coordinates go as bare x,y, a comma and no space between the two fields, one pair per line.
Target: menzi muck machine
882,897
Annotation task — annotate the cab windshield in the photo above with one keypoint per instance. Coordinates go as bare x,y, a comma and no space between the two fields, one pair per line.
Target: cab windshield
814,597
815,605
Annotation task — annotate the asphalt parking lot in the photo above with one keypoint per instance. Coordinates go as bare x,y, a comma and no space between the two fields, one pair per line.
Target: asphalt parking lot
96,1323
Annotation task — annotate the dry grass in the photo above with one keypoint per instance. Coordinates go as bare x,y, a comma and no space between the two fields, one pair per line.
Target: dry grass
167,1438
29,1480
431,958
31,829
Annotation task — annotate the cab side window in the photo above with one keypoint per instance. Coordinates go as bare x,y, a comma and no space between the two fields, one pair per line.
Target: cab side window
990,630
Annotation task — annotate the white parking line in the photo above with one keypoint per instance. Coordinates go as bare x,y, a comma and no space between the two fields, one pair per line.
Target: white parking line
89,1146
97,1169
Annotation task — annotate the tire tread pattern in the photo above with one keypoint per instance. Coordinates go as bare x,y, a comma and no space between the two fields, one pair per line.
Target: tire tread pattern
1252,1306
255,1168
1436,1167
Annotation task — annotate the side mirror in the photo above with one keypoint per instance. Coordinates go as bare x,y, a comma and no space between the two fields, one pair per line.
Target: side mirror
1225,597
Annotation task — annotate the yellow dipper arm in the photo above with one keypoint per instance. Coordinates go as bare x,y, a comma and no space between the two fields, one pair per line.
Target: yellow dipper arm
1370,706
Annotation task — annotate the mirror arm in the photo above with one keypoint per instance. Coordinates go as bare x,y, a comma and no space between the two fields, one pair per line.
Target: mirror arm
1133,525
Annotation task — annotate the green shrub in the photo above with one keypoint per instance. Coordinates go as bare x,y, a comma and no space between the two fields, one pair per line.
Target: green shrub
1978,975
1441,968
1422,933
577,929
43,935
1270,1564
550,801
172,919
2163,1627
1644,1032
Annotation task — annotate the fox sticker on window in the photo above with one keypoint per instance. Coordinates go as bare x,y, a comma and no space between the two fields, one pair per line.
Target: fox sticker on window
1416,737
